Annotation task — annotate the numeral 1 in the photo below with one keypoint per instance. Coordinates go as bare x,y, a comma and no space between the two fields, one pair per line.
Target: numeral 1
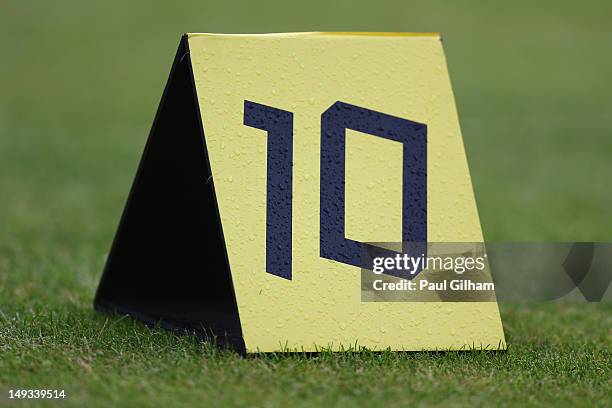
279,125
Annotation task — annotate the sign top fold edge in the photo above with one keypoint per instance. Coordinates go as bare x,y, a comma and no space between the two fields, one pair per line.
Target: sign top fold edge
320,34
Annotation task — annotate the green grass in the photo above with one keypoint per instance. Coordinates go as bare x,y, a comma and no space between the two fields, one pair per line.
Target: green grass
558,355
79,85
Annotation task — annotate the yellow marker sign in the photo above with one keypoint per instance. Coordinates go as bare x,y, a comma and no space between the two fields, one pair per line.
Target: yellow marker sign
273,162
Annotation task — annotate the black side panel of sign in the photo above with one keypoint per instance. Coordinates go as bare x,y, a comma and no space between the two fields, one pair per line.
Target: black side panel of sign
168,263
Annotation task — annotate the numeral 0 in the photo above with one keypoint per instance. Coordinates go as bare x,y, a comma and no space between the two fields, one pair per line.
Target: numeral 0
334,122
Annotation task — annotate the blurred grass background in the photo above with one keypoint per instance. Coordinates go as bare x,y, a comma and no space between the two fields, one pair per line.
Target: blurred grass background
79,86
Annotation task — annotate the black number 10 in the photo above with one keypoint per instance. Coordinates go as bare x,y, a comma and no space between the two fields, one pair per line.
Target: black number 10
334,122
